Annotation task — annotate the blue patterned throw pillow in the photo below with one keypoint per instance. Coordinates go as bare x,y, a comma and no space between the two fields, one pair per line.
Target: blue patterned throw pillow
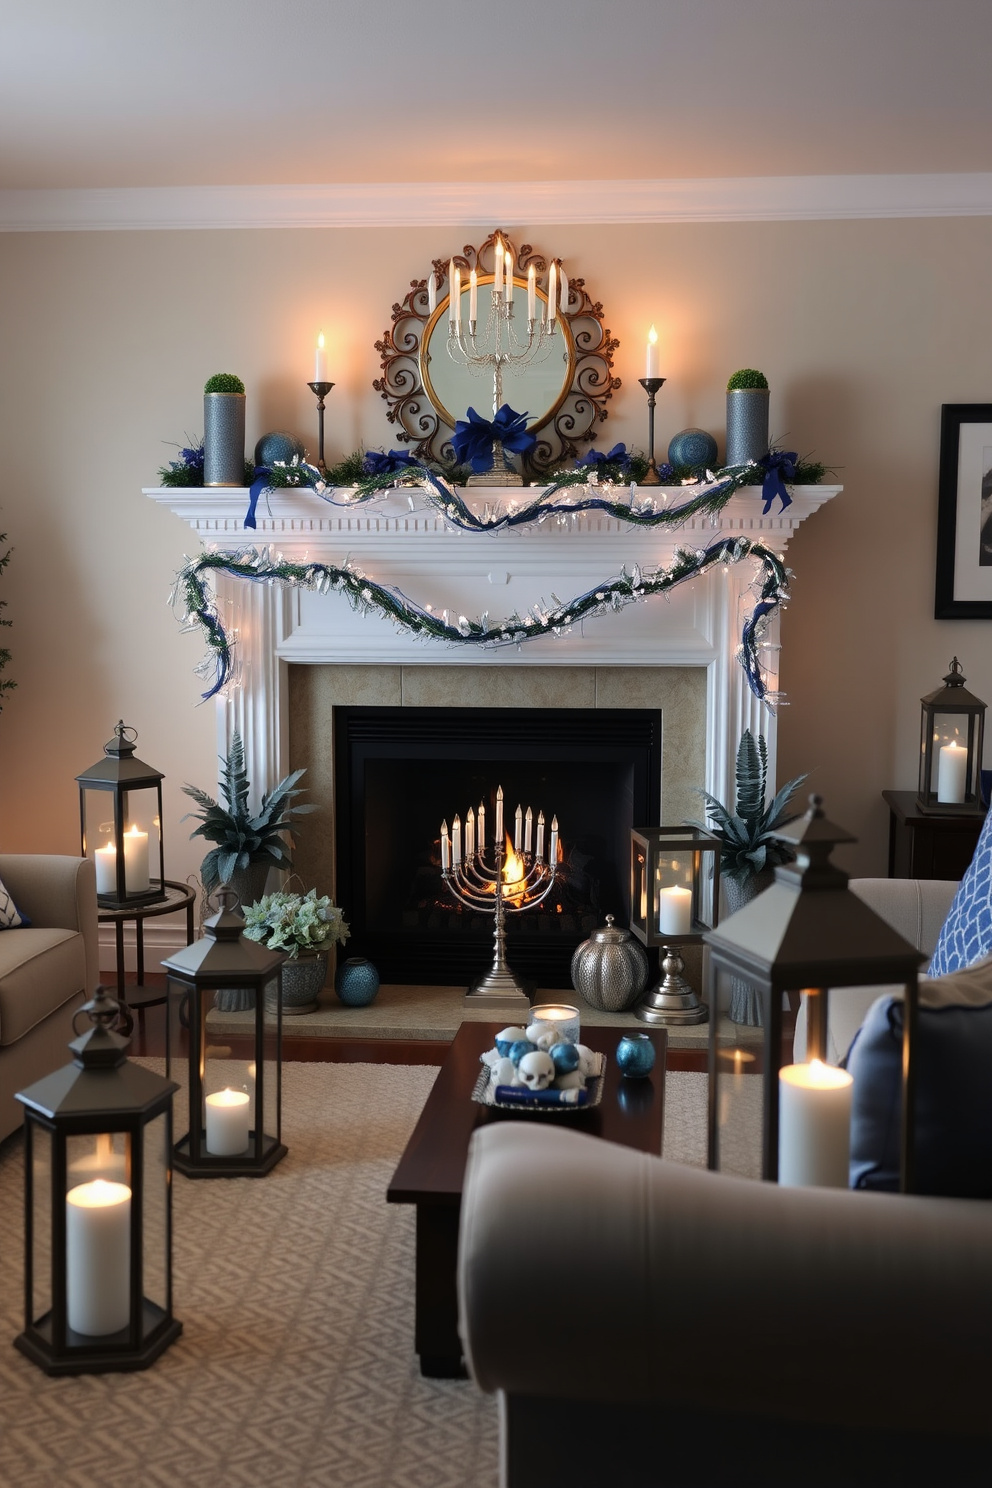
966,935
10,915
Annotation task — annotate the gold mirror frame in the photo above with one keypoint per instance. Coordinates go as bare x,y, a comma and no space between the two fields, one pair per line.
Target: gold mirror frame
587,386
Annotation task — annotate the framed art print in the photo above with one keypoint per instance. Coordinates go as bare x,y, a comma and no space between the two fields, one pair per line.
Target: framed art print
964,513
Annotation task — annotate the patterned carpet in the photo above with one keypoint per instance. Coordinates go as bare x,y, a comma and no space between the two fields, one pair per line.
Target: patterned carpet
296,1363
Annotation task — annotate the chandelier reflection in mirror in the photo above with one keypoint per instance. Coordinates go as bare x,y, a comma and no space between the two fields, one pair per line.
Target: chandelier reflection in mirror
562,381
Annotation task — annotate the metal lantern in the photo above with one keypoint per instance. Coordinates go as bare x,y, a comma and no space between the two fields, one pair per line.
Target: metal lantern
235,1081
806,933
98,1208
952,726
674,898
120,818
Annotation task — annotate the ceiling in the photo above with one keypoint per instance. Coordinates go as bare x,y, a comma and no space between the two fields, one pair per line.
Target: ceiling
116,93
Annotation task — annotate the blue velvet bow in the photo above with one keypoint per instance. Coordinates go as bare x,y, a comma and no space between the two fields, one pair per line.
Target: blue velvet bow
473,441
376,463
618,455
779,467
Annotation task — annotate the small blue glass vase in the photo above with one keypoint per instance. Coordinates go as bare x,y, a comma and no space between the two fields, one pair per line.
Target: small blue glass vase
356,982
635,1055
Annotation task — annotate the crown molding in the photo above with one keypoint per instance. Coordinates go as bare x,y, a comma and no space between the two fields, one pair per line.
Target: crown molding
441,203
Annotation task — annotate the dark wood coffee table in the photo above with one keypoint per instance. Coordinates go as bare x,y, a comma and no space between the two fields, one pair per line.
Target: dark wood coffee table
432,1169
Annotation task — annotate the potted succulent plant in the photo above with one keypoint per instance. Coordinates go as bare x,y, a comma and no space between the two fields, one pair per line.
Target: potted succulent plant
750,849
305,927
747,416
223,430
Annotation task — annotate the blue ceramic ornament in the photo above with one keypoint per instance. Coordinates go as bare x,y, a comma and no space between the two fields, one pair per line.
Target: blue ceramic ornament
356,982
693,447
520,1048
565,1057
278,446
635,1055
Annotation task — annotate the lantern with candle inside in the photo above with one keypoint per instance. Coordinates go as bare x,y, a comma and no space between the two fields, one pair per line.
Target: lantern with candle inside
98,1218
674,898
952,726
234,1070
808,937
120,816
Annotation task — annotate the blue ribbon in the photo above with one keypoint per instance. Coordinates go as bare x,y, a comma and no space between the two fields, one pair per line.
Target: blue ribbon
618,455
376,463
779,466
473,441
258,485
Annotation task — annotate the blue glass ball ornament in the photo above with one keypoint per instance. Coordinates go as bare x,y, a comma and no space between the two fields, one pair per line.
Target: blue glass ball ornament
565,1058
278,446
693,447
504,1044
635,1055
520,1048
356,982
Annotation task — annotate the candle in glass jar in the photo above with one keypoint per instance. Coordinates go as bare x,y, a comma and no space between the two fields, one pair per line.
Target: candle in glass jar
564,1018
814,1125
136,860
98,1257
952,771
675,910
227,1123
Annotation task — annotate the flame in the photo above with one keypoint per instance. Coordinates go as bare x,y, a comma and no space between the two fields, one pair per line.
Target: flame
514,872
320,341
653,336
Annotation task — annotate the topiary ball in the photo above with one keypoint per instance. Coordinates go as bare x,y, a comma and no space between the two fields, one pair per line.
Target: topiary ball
278,446
692,447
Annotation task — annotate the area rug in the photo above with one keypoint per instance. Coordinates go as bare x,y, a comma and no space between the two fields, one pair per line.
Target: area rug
296,1366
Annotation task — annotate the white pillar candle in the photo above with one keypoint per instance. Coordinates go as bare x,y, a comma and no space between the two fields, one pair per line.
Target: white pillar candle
531,294
518,829
528,829
136,860
675,910
651,366
445,848
320,361
456,841
98,1257
469,832
814,1131
552,292
952,772
431,291
539,852
473,296
227,1123
564,293
106,869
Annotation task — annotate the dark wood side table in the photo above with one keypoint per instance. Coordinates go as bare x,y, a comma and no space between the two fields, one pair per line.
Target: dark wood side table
925,845
136,999
431,1171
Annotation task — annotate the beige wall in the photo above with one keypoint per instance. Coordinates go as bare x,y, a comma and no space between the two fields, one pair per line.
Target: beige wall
864,329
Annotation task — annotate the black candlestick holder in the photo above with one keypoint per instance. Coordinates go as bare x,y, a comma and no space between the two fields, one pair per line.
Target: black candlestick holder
321,389
651,386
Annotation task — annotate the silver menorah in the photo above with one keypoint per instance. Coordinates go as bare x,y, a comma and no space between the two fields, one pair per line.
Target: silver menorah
500,883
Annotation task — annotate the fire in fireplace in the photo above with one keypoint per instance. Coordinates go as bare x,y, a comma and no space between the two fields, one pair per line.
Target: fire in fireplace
400,771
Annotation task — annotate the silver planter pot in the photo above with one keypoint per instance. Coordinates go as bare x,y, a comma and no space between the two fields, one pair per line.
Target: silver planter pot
223,439
302,982
747,425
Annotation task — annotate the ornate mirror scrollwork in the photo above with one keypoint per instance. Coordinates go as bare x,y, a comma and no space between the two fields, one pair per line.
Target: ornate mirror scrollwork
564,389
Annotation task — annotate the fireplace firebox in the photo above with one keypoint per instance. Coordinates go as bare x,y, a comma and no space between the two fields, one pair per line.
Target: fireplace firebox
400,771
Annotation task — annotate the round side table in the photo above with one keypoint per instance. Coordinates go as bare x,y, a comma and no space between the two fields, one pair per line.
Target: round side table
136,999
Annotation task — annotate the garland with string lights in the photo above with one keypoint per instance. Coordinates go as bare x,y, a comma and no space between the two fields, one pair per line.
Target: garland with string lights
368,597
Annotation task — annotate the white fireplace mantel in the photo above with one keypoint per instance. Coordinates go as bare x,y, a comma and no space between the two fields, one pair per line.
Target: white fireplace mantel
399,542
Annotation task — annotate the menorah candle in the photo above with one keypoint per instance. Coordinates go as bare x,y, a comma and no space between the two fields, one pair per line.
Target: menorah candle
469,832
498,836
528,830
456,841
539,851
553,853
518,828
531,294
482,826
445,848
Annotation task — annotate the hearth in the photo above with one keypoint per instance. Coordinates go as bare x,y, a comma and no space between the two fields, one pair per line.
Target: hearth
400,771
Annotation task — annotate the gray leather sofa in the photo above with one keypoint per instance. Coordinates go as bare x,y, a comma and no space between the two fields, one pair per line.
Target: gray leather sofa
644,1322
47,969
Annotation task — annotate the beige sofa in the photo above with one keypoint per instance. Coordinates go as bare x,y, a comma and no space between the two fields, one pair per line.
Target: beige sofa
47,969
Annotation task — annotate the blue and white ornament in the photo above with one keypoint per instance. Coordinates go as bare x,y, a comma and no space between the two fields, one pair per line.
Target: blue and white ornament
693,447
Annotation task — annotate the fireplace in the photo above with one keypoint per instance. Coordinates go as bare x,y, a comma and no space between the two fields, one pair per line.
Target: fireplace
399,771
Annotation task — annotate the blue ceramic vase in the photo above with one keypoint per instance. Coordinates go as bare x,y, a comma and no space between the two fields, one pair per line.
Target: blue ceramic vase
356,982
635,1055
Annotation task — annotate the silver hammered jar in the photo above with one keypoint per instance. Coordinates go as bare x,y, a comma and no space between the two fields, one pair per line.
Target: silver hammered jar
747,425
610,969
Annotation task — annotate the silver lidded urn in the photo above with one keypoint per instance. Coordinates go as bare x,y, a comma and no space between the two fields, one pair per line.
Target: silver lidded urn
610,969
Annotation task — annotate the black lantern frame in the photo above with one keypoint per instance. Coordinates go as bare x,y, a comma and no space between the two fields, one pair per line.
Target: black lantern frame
125,873
120,1115
224,958
675,884
806,933
952,719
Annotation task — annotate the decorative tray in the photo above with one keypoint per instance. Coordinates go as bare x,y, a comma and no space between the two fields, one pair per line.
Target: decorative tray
484,1094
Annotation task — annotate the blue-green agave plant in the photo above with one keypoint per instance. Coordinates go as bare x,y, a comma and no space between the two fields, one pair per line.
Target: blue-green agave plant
747,832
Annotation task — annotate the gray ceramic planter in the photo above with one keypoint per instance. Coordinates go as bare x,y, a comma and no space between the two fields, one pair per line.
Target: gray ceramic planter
747,425
223,439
